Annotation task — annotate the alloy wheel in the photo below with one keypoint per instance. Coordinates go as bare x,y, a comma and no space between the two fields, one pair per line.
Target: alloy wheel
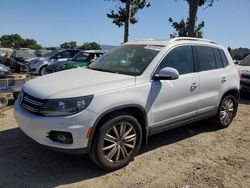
119,142
227,111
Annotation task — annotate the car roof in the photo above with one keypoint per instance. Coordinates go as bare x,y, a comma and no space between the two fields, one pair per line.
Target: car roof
94,51
177,40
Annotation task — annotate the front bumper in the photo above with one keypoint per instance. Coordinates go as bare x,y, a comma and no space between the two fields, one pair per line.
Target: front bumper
38,127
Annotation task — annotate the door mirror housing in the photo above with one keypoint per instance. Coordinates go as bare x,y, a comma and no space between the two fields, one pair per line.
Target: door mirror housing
167,73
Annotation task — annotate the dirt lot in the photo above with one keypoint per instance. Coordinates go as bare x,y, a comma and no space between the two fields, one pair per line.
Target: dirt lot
196,155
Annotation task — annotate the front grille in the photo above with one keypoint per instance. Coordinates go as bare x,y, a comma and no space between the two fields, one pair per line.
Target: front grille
245,76
32,104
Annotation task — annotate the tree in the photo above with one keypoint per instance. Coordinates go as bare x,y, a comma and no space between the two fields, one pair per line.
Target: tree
16,41
90,46
125,16
30,43
71,44
182,29
193,8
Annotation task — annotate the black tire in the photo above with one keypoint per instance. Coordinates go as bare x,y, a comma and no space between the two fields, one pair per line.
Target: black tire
224,111
3,101
43,70
99,152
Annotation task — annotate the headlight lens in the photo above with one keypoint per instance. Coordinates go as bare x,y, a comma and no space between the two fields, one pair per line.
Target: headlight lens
63,107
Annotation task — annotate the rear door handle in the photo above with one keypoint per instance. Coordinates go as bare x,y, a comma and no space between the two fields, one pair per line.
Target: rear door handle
223,80
193,86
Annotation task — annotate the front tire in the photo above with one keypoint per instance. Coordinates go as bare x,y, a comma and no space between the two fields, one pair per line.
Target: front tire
227,112
118,141
43,71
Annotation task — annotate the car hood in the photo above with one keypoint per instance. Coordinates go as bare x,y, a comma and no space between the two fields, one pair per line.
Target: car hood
75,83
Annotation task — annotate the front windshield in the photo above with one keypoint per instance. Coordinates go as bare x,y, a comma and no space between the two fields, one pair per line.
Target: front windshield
126,59
246,61
80,56
49,54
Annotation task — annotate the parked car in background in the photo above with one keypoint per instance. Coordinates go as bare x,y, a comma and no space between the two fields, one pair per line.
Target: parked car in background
38,66
18,56
5,54
42,52
4,71
244,71
134,91
81,59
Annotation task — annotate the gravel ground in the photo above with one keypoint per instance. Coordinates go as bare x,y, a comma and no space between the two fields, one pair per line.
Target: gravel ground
196,155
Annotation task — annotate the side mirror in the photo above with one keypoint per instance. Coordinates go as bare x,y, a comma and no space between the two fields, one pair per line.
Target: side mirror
237,62
167,73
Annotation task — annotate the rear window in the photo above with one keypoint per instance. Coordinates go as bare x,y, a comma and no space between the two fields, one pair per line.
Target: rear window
206,58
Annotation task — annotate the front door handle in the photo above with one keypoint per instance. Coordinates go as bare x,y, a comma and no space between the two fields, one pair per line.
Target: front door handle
223,80
193,86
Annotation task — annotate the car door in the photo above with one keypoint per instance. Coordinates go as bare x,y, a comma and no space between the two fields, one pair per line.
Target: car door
175,101
212,78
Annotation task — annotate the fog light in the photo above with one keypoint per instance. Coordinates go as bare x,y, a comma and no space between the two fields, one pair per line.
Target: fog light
60,136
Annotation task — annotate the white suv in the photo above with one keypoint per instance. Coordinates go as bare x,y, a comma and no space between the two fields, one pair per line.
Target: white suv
132,92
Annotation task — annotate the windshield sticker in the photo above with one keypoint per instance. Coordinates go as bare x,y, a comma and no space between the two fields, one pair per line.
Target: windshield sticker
151,47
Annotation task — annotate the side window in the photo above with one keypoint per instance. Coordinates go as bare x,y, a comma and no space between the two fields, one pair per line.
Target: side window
206,58
66,54
180,58
224,59
218,58
73,52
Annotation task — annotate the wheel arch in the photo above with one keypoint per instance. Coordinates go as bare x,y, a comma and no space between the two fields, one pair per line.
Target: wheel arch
136,110
235,92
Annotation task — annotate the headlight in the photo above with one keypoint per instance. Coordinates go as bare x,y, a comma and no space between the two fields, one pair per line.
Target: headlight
63,107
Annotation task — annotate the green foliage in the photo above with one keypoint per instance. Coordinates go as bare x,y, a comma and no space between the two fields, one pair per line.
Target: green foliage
182,29
189,28
90,46
119,17
71,45
16,41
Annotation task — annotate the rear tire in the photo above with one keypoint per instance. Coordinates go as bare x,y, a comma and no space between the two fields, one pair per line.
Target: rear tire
227,111
117,142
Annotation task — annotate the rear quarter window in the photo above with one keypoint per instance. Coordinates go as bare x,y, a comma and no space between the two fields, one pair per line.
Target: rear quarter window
218,58
224,58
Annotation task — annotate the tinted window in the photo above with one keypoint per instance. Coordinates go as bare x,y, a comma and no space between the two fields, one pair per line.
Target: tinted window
66,54
224,59
180,58
206,58
218,58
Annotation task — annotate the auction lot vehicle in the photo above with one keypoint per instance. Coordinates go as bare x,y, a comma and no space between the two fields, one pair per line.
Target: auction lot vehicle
38,66
244,71
81,59
130,93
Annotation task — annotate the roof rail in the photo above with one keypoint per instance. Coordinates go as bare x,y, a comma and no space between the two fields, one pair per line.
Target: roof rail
191,39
